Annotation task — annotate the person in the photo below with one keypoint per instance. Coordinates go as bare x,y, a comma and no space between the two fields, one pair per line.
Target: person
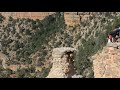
113,34
109,38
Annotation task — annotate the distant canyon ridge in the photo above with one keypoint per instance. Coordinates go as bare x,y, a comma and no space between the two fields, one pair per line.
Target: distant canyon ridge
31,15
71,18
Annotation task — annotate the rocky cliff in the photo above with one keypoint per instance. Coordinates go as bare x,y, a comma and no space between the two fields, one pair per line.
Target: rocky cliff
74,18
30,42
63,63
71,18
30,15
106,64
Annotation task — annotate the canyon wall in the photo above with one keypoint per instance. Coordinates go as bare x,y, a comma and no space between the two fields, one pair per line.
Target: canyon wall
74,18
71,18
31,15
106,64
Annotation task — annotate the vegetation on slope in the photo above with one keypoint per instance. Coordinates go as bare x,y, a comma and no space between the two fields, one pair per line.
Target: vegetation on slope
32,41
26,37
94,43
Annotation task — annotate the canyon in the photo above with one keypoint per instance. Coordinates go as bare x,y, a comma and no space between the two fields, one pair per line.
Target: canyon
42,44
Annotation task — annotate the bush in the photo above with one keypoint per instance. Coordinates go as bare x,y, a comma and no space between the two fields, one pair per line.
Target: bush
21,73
45,72
5,73
107,14
103,20
97,33
83,24
95,23
68,41
2,18
10,18
83,40
16,46
77,37
116,23
86,35
27,32
90,17
57,44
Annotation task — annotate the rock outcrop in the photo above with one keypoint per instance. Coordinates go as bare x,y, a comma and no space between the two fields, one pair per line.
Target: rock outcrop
74,18
106,64
63,63
71,18
31,15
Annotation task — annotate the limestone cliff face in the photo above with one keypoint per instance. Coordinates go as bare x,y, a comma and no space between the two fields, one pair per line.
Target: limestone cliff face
31,15
74,18
106,64
71,18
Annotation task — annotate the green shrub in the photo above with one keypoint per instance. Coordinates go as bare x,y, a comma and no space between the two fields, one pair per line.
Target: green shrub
103,20
2,18
27,32
10,18
44,72
77,37
90,17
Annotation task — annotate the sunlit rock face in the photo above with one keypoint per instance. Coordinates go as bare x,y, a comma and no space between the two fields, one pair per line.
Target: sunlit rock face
63,63
31,15
106,64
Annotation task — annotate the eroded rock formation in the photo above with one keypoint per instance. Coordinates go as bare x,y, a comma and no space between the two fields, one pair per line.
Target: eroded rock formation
106,64
63,63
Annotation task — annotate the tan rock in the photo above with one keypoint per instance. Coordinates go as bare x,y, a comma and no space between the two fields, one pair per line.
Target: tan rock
31,15
107,63
62,63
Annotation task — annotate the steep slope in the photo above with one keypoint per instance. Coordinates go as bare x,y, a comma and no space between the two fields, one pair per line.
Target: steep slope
29,43
90,37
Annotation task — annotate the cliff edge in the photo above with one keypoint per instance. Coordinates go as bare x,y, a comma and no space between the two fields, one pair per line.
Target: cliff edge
106,64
